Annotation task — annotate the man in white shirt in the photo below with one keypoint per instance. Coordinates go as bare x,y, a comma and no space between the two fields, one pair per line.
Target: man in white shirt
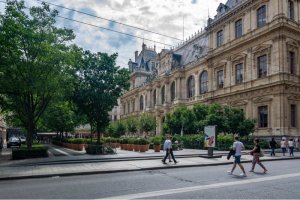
237,147
168,149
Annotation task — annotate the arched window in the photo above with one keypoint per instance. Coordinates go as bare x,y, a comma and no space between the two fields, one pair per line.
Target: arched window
203,82
173,91
154,97
163,95
141,103
191,87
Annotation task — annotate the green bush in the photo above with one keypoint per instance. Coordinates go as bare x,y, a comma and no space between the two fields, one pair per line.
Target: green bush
96,149
137,141
131,140
157,140
225,142
143,141
78,141
125,141
34,152
195,141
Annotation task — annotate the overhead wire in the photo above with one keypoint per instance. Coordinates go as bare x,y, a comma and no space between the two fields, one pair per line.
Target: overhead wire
106,19
108,29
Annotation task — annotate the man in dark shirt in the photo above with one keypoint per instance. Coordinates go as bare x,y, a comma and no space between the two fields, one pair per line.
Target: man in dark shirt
273,145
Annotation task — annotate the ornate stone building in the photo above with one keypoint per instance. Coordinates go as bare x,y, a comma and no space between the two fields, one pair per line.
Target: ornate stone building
247,57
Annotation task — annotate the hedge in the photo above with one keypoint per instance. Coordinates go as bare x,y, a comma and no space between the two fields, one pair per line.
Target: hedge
34,152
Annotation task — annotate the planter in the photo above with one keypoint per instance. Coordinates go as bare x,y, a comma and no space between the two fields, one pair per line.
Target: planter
130,147
157,148
143,148
118,145
147,147
79,147
122,146
136,147
125,146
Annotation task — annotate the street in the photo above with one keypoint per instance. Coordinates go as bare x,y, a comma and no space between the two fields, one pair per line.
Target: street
282,182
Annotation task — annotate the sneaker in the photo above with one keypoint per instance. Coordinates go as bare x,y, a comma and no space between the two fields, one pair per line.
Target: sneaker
163,162
265,171
170,161
175,162
251,170
242,174
229,172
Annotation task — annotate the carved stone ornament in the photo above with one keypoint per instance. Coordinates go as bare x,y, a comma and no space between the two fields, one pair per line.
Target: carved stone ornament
261,99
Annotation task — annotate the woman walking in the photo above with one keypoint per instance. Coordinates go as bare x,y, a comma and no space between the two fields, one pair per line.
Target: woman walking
256,154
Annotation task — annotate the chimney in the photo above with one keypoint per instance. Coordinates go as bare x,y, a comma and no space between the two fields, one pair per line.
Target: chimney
136,55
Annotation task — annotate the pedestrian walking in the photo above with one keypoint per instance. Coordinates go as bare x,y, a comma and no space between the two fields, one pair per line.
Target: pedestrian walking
168,149
256,152
291,147
283,146
273,145
237,147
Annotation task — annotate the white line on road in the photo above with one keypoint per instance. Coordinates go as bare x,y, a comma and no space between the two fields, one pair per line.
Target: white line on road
60,151
201,187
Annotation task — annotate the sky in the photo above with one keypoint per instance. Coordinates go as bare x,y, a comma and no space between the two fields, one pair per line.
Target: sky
175,18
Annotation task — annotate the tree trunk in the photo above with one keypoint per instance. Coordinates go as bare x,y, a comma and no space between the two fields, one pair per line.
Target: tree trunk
30,132
98,134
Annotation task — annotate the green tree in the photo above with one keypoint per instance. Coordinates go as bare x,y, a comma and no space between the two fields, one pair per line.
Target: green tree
182,120
61,117
216,117
99,84
111,129
120,128
200,111
132,125
147,123
33,62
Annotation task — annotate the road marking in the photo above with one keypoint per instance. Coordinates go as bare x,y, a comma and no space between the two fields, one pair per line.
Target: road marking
201,187
62,152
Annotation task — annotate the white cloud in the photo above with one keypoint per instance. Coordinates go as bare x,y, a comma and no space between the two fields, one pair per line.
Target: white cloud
162,16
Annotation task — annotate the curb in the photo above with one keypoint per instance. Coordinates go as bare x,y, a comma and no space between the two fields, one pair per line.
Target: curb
132,170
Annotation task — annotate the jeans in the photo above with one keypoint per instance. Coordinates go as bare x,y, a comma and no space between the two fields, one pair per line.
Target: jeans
283,151
169,151
272,151
291,151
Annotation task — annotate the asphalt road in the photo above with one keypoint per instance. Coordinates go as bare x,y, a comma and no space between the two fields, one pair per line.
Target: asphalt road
282,182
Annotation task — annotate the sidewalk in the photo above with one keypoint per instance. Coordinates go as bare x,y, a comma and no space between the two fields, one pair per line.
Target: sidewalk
121,162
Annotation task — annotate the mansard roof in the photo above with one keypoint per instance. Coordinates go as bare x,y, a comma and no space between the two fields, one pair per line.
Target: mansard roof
223,9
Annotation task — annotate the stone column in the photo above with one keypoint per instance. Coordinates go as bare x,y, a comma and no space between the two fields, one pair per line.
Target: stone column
167,93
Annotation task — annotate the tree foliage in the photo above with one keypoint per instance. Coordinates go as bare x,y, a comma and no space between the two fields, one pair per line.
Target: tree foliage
227,119
132,125
147,123
33,61
99,84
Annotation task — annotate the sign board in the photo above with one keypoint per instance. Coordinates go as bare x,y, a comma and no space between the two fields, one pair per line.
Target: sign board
210,136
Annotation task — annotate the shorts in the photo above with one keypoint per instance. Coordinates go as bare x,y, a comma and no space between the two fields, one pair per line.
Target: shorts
237,159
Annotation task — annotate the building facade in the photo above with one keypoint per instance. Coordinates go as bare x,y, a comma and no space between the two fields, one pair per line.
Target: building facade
247,57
